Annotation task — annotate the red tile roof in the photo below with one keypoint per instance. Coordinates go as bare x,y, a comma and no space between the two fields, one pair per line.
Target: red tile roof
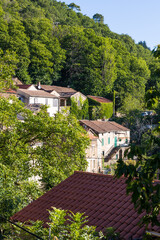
23,86
99,99
103,126
8,93
101,197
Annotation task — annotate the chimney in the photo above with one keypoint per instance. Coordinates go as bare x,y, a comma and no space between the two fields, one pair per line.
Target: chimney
39,85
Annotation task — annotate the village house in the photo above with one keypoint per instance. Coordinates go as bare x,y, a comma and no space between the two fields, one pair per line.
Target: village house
30,95
93,154
66,94
55,97
114,139
101,197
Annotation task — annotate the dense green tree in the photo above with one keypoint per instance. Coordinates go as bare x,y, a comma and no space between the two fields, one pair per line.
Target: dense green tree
74,6
4,36
98,18
141,177
90,65
141,183
76,50
144,44
8,65
18,42
132,76
49,148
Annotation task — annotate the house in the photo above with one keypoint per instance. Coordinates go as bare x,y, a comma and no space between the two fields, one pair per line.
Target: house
101,197
93,154
100,107
66,94
30,95
114,138
55,97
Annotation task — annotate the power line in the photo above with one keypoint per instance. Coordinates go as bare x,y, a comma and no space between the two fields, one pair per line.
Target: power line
22,228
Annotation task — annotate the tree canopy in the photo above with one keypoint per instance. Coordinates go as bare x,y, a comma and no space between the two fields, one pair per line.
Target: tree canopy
39,147
54,44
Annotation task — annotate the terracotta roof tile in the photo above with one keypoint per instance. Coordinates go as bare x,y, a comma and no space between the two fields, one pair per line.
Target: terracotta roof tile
95,194
23,86
99,99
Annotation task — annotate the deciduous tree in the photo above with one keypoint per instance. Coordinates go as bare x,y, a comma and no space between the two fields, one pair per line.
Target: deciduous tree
39,146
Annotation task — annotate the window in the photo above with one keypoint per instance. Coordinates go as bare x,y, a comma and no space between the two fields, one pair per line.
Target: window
108,140
102,141
55,102
93,163
93,149
79,103
35,100
62,102
46,101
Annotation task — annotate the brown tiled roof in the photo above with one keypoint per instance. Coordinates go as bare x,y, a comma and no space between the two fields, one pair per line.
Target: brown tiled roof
23,86
99,99
58,89
101,197
103,126
36,93
8,93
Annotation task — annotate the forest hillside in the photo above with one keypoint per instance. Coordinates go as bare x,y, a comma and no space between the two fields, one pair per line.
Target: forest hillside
51,42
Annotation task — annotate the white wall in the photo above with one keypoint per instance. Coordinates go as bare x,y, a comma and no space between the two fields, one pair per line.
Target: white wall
50,102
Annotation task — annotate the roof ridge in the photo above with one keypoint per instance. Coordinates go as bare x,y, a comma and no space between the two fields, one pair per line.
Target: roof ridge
119,126
98,175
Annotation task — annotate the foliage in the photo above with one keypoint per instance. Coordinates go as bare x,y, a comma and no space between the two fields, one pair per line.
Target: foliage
55,44
39,146
79,109
111,234
74,6
140,177
8,63
100,110
143,43
98,18
63,225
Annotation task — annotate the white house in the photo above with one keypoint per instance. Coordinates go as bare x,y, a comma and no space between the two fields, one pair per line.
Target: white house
32,96
55,97
65,94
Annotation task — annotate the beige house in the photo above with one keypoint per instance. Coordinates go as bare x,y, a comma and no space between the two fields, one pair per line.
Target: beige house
93,154
114,139
65,94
